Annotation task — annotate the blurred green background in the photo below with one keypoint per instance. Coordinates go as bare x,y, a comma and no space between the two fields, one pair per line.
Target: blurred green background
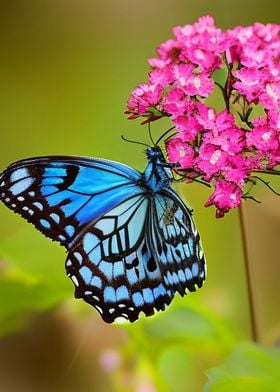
66,71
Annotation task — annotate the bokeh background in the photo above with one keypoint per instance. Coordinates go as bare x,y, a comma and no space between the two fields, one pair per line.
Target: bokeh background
66,70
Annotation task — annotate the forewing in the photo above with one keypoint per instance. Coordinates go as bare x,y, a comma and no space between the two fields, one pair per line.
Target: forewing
113,268
175,241
61,195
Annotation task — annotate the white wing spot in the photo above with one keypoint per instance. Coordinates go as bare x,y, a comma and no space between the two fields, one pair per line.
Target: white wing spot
75,280
99,309
121,319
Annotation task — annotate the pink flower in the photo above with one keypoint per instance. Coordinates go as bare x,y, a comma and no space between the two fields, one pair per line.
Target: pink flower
179,151
256,46
193,83
162,76
263,137
175,102
273,159
203,33
187,126
187,120
202,43
238,168
169,52
226,196
236,176
144,96
231,140
222,145
205,115
182,73
270,95
251,82
211,160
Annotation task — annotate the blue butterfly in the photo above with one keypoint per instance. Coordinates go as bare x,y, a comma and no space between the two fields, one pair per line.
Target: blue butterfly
131,241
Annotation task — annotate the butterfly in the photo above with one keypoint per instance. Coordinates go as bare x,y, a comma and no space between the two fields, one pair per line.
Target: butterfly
131,241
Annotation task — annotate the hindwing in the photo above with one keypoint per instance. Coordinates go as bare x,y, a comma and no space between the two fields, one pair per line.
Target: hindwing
176,243
113,268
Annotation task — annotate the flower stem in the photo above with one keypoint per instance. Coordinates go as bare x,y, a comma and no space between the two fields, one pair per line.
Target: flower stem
249,276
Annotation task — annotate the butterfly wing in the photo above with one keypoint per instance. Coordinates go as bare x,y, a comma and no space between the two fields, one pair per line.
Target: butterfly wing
60,195
112,267
136,257
174,240
130,249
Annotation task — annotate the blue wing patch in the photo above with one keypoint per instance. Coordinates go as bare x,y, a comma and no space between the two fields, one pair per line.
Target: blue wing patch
60,196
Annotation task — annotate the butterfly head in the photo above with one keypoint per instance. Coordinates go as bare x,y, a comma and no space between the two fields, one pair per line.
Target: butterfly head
158,173
155,155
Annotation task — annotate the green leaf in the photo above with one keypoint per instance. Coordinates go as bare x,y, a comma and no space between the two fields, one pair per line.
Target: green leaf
249,368
220,76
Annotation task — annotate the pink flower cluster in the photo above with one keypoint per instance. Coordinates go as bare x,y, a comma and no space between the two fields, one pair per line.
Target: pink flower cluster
242,68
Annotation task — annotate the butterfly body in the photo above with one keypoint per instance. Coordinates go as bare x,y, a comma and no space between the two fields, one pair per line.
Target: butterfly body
131,240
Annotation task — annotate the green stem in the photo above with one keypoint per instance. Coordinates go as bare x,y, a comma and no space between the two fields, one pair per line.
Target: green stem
249,277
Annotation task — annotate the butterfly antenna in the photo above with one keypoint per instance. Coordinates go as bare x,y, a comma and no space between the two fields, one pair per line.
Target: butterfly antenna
150,134
134,141
164,134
